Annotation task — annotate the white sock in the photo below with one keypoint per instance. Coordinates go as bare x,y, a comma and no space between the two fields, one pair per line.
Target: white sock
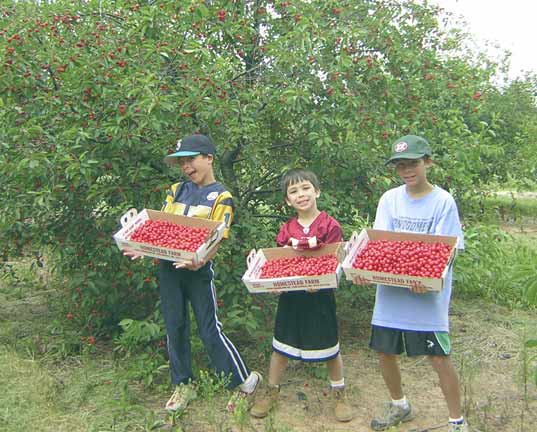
460,420
250,384
337,384
401,403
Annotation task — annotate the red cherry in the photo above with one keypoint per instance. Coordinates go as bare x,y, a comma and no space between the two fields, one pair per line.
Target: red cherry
404,257
299,266
170,235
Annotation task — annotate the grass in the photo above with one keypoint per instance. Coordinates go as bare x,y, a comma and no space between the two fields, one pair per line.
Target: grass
49,386
86,392
76,395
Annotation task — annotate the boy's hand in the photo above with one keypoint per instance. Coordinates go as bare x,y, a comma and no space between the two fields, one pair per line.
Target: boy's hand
190,265
311,290
195,266
418,288
131,253
360,280
274,292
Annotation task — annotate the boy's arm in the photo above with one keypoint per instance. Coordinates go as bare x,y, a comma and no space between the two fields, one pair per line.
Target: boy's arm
282,239
170,196
223,211
383,221
383,218
449,224
334,233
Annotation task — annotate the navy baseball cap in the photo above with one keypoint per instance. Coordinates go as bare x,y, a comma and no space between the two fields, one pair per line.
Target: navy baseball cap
191,145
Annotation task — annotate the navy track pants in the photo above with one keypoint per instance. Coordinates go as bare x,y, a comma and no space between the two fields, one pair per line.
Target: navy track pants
178,288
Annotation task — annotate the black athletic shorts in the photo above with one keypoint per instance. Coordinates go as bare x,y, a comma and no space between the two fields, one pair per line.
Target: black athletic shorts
414,343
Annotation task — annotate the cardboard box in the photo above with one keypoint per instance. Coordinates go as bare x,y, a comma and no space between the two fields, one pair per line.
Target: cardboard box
132,220
256,260
358,242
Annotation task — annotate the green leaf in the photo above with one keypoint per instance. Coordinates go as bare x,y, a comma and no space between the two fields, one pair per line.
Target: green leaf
532,343
126,323
33,164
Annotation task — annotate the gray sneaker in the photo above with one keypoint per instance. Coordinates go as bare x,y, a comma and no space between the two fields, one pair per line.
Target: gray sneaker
392,416
239,395
463,427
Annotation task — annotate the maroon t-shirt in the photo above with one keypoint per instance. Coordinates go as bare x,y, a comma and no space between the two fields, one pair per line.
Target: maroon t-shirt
324,229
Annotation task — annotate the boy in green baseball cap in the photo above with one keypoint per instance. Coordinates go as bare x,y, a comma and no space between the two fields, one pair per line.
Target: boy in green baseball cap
415,320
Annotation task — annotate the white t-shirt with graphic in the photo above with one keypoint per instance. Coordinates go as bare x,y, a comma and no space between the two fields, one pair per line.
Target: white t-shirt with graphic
435,213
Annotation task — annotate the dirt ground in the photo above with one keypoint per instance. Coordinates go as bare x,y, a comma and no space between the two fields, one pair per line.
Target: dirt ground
487,344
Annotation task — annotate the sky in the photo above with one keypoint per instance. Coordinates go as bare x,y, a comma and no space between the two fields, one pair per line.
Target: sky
512,24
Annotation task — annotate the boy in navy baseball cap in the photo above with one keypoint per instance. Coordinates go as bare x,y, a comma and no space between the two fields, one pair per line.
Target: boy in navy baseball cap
192,282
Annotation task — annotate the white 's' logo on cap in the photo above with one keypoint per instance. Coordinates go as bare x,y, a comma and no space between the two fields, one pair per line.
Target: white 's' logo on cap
178,145
400,147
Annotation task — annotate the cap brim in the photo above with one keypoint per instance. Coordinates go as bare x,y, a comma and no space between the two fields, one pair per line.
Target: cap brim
171,159
406,156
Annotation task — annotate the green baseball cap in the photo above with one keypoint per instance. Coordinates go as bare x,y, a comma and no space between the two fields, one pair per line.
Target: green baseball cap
409,147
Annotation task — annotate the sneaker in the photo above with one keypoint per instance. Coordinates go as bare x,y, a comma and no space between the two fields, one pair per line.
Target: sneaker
342,410
458,427
393,415
181,397
266,402
240,395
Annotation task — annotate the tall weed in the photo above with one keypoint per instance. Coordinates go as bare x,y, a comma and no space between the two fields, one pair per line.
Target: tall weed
531,344
526,273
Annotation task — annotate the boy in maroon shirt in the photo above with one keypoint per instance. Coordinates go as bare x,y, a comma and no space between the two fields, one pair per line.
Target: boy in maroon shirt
306,324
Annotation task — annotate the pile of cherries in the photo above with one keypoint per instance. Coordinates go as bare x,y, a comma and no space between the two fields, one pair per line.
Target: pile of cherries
412,258
299,266
169,235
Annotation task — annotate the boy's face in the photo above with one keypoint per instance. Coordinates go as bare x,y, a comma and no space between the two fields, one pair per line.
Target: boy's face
302,196
412,171
198,168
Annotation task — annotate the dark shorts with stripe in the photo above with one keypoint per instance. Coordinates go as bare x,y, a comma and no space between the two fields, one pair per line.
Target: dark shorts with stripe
414,343
306,326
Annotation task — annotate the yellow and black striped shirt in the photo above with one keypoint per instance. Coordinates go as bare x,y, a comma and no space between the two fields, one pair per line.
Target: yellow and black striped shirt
212,202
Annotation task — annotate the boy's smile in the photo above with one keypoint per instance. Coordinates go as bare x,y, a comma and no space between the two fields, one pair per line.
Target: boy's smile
198,168
413,171
302,196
